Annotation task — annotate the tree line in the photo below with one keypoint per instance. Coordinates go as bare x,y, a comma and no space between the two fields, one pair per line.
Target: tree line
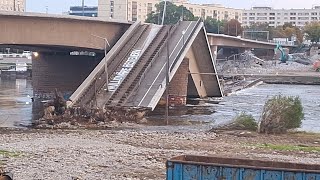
259,31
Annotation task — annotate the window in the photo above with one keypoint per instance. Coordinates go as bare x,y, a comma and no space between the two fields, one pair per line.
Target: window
203,13
303,18
272,14
252,14
292,18
149,8
272,18
293,14
134,10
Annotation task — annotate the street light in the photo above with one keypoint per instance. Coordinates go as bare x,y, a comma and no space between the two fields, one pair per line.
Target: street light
164,11
82,7
106,43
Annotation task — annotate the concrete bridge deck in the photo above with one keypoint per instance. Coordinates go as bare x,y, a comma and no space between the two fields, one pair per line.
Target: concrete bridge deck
43,32
143,82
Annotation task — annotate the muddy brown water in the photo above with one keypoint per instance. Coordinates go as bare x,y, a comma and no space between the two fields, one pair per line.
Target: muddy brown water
16,106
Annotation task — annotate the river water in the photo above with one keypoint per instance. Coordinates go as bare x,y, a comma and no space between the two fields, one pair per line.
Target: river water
16,104
252,100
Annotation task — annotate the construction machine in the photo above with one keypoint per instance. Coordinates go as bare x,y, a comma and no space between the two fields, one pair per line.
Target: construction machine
284,57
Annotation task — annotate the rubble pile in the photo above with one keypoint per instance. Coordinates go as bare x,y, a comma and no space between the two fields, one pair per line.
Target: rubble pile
58,116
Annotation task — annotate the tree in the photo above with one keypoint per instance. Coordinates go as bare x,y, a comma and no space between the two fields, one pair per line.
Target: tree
281,113
233,28
173,14
313,31
214,26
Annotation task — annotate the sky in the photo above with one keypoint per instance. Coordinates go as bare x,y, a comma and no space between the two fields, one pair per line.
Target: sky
59,6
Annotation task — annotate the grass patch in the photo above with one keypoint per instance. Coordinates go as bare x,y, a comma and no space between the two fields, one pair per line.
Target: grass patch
289,147
9,153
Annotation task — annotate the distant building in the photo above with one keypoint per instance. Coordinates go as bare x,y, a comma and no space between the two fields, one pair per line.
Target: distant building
278,17
90,11
133,10
13,5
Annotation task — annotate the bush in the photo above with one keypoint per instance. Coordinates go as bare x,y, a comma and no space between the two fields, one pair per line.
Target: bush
246,122
281,113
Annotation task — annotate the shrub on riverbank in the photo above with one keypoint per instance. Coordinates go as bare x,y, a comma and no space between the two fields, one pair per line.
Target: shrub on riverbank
246,122
243,121
281,113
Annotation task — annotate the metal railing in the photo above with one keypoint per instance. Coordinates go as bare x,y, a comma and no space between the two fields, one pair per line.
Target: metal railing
178,54
183,45
99,70
147,70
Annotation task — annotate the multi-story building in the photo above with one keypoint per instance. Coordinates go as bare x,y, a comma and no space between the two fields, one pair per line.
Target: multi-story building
13,5
89,11
278,17
133,10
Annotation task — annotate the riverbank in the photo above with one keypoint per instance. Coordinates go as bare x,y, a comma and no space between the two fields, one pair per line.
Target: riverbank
135,153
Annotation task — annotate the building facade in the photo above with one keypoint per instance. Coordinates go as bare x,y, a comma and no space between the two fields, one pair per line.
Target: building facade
13,5
278,17
89,11
133,10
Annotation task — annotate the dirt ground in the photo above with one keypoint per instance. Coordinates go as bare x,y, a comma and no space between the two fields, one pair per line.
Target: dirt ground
136,153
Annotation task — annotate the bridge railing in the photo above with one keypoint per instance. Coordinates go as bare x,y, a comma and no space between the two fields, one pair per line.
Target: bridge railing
157,55
91,82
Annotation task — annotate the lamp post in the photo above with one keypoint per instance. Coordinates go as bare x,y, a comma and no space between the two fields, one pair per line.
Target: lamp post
82,7
106,43
164,11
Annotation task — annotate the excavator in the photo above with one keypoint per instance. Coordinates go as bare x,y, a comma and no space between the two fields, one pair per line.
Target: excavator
284,57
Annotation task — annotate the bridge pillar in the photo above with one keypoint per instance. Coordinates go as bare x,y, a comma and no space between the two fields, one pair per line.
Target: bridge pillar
178,87
60,71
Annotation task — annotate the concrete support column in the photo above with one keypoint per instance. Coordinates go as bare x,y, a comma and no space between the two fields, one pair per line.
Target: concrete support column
60,71
178,87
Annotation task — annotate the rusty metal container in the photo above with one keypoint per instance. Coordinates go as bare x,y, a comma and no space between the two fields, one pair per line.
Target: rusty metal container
218,168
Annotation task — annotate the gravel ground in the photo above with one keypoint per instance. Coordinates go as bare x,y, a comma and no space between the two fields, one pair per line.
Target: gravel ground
130,153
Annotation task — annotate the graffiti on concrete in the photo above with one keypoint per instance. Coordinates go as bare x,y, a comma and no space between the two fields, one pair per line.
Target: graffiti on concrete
126,68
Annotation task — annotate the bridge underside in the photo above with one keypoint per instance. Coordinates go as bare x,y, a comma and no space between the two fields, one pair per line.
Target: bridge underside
42,32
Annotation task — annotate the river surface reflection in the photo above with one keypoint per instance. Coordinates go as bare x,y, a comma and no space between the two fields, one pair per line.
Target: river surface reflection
15,102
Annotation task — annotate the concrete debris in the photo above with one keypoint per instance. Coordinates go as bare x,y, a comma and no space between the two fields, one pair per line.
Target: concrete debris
89,118
300,58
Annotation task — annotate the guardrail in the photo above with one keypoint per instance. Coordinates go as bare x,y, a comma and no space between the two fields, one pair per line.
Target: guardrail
147,70
178,54
183,45
99,70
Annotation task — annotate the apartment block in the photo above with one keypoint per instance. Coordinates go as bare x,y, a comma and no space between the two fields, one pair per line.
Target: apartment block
278,17
13,5
133,10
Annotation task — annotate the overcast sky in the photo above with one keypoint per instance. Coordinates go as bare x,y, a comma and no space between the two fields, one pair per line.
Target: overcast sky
59,6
